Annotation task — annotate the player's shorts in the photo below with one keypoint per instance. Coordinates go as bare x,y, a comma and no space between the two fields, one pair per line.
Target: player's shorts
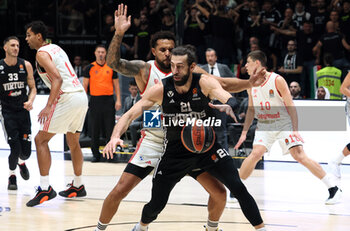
15,124
146,157
266,135
67,114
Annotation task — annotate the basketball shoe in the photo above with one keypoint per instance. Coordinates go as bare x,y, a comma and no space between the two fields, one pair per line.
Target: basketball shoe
217,229
334,168
73,191
12,183
136,228
42,196
24,171
335,194
232,199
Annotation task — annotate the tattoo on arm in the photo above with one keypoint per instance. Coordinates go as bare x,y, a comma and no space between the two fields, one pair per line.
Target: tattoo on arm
125,67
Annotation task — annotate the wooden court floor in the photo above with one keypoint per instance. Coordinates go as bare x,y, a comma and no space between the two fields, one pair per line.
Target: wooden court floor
288,196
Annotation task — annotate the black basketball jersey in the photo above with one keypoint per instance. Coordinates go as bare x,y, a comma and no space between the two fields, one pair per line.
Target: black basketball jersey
179,109
13,85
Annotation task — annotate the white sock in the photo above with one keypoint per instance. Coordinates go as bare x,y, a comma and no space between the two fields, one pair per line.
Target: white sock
339,158
12,172
78,181
20,161
212,225
101,226
44,182
261,229
140,227
327,180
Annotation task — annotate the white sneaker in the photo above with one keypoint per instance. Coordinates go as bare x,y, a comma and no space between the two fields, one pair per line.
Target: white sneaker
334,168
335,194
136,228
215,230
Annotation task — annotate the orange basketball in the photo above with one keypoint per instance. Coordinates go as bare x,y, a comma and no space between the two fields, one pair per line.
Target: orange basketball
197,139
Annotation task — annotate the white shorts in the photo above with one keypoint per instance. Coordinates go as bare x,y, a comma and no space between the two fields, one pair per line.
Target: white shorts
147,152
264,136
67,114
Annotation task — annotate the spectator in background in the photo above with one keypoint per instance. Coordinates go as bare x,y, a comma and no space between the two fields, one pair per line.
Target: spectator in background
78,68
295,90
334,17
168,21
330,77
108,28
300,15
102,82
252,27
285,24
142,39
129,101
322,93
270,17
333,43
292,66
319,17
221,70
194,32
222,29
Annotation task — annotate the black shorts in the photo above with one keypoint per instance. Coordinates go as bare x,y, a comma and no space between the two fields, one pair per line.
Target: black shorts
16,124
177,161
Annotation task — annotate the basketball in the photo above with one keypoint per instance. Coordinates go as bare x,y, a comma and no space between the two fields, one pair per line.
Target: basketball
197,138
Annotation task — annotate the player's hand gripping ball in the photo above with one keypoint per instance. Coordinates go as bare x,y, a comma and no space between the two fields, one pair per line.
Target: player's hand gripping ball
197,138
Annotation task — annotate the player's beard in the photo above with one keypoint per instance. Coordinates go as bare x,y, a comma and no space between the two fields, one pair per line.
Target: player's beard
184,79
163,65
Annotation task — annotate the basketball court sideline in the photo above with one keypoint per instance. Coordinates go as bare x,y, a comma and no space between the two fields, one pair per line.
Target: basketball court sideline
288,196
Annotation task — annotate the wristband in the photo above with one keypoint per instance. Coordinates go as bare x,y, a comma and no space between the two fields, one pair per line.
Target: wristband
233,103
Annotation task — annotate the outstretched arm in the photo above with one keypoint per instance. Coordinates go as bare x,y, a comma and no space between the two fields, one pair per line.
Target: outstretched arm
137,68
152,96
237,85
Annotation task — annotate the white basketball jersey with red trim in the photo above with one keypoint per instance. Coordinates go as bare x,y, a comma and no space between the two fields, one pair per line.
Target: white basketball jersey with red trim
267,101
59,57
155,76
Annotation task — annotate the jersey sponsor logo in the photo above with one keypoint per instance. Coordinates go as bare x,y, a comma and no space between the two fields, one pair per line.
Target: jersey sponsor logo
172,101
15,93
170,93
152,118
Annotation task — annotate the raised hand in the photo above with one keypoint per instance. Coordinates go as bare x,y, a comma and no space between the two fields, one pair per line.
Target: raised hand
258,77
111,146
121,22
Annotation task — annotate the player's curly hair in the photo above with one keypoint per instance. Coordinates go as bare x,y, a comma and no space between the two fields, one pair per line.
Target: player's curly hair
162,35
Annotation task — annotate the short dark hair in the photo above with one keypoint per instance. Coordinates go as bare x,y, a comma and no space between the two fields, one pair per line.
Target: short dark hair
162,35
10,38
37,27
210,49
258,55
188,50
132,83
100,45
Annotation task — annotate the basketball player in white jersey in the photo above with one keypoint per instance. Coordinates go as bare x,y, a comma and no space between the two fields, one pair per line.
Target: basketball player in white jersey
272,104
64,112
150,146
334,164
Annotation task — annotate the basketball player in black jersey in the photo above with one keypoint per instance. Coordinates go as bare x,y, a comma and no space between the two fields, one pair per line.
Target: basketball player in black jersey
185,95
15,75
